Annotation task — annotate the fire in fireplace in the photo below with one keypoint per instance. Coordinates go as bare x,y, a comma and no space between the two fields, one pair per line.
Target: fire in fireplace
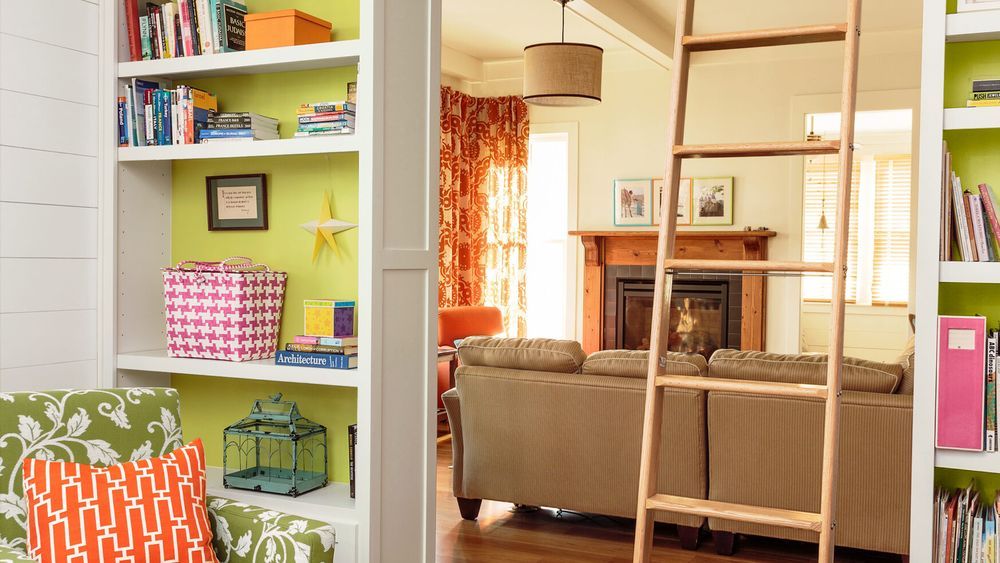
699,315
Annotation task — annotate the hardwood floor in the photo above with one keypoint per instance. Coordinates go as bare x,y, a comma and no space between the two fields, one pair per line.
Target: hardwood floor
548,536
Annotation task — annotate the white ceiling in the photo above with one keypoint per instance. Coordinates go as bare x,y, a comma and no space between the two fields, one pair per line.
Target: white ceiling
500,29
496,30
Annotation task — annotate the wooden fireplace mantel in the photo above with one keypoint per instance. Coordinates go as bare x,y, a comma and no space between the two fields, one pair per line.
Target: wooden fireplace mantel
638,248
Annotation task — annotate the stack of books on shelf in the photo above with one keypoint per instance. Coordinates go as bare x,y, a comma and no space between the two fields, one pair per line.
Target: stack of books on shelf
325,118
151,115
239,126
184,28
965,527
966,384
985,93
320,352
970,229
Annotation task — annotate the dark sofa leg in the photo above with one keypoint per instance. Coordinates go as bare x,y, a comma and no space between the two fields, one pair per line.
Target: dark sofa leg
904,558
469,507
725,542
689,537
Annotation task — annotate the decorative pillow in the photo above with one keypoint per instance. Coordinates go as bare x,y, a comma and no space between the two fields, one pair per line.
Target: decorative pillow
149,511
536,354
635,363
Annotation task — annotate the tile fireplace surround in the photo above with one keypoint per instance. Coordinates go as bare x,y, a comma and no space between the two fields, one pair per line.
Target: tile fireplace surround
622,248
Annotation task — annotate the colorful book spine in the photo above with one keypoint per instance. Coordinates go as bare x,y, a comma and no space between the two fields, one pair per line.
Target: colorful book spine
321,349
335,341
986,85
232,15
325,107
122,122
225,133
991,391
961,382
300,339
352,442
979,228
326,126
132,26
205,27
306,359
147,46
329,116
970,229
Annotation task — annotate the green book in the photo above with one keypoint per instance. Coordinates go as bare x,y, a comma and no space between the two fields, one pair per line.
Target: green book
144,36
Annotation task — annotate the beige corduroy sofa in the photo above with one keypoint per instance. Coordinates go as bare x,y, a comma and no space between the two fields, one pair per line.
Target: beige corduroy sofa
536,422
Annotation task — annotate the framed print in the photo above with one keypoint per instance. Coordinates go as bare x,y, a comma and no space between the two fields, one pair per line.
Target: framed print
683,201
237,203
974,5
712,201
633,202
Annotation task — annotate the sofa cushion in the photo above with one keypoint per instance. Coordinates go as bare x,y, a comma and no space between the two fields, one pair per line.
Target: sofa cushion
858,375
905,359
536,354
635,363
150,509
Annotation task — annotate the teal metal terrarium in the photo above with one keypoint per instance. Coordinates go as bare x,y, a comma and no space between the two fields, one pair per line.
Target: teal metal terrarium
275,450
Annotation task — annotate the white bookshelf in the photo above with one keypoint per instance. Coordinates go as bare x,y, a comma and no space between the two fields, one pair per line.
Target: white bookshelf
241,149
971,118
262,61
940,28
157,361
392,518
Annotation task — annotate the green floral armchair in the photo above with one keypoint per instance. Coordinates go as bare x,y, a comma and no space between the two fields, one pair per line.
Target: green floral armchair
108,426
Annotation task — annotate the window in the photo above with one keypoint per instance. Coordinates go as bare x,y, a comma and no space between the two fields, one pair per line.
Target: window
879,235
551,270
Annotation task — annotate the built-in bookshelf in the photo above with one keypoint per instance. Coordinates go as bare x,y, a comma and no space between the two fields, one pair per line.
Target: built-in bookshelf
945,287
390,174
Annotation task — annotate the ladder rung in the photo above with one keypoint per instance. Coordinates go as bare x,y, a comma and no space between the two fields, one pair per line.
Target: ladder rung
748,266
739,512
757,149
742,386
766,37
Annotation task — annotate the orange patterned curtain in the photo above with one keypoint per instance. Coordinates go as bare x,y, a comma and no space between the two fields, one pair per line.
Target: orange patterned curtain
483,236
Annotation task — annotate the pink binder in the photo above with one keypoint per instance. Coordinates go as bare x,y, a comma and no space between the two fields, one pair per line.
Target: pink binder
961,382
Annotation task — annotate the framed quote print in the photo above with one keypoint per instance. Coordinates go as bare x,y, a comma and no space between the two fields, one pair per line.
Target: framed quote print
237,203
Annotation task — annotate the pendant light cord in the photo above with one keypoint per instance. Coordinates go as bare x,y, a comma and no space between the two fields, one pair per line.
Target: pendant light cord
564,20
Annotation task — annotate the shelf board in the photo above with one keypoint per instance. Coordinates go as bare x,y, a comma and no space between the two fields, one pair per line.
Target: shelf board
980,25
969,461
971,118
241,149
281,59
332,503
970,272
262,370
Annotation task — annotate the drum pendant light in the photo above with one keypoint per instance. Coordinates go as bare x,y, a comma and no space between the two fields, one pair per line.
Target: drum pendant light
563,74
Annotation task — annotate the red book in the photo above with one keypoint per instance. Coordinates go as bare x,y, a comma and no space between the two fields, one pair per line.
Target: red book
991,210
132,24
186,38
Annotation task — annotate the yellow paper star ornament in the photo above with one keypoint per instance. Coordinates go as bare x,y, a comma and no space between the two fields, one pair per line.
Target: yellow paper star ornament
325,227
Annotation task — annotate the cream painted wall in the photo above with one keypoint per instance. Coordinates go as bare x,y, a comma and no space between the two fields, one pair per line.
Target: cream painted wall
754,100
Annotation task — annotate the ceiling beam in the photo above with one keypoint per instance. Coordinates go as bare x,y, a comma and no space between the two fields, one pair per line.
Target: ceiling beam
458,64
624,22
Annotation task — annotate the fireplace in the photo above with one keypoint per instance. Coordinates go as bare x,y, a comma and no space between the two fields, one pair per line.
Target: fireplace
699,315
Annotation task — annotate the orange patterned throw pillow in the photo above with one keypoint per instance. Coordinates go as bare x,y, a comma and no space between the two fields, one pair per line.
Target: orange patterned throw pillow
149,511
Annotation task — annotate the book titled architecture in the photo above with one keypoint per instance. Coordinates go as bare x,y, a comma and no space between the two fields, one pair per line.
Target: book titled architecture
961,383
304,359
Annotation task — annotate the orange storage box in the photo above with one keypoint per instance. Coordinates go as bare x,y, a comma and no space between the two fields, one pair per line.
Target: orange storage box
285,28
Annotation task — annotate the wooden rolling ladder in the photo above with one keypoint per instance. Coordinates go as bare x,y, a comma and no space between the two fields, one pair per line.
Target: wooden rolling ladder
649,500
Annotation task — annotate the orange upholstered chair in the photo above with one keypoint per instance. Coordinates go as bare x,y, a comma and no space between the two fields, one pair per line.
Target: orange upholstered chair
456,323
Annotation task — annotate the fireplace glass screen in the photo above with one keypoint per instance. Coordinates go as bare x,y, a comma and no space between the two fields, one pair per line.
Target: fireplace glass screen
699,316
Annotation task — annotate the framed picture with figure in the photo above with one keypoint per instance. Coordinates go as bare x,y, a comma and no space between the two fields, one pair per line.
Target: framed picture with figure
633,202
712,201
683,201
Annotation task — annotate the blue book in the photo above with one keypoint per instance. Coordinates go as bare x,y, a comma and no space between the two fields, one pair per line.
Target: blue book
334,341
225,133
309,360
122,123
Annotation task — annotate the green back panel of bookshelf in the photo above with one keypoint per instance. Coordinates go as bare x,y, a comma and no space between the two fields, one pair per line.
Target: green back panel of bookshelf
296,185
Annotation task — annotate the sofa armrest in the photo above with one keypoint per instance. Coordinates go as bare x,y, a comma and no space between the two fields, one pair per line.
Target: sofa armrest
767,451
453,406
245,534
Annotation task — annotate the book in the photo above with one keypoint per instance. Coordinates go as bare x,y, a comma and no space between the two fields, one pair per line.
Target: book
122,122
990,207
978,228
944,228
323,107
235,133
961,382
327,116
322,349
326,126
352,92
206,44
958,206
352,442
991,95
351,341
132,27
970,232
169,11
982,103
341,131
306,359
992,340
187,39
986,85
147,45
232,14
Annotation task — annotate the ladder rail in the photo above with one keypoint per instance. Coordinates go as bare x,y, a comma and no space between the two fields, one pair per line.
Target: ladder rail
831,415
652,419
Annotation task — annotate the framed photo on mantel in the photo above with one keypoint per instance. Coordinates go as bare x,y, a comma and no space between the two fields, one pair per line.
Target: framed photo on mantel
237,203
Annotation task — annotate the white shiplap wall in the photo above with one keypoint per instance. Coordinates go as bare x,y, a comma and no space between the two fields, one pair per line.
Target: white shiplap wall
48,194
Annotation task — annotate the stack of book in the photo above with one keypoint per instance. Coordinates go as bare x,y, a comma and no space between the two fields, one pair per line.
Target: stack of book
320,352
970,229
325,118
151,115
985,93
966,406
239,126
965,527
184,28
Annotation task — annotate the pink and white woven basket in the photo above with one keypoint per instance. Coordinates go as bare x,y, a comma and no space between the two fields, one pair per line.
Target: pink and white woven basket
229,310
